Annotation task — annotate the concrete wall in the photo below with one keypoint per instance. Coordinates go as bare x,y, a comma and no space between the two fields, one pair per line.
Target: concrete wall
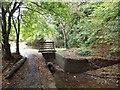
73,66
60,61
49,56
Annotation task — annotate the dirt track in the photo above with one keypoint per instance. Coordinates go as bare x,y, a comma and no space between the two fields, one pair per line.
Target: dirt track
33,74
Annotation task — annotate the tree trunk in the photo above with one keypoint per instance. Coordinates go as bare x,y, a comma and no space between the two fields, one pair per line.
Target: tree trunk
64,37
14,68
8,54
5,44
65,42
17,34
6,31
3,30
17,44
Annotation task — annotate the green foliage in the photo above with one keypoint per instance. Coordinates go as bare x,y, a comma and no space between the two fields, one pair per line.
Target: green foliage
98,24
110,55
36,42
84,52
83,24
38,22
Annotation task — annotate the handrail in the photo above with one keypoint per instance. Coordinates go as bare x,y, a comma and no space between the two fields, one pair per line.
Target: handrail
47,47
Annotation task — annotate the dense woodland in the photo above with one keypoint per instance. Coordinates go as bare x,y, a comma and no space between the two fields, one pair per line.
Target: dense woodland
87,44
68,24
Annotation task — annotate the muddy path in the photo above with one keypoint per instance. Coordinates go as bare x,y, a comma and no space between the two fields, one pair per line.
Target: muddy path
31,74
35,74
28,75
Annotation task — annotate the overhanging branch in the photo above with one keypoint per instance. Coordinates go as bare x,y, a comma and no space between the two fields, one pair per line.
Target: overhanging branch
15,8
14,25
34,10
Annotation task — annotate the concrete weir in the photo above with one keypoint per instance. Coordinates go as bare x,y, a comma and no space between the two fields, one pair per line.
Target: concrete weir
70,65
82,64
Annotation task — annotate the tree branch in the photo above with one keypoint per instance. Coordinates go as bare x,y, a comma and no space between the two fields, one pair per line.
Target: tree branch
38,5
15,8
14,5
41,7
18,22
14,25
7,8
33,10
